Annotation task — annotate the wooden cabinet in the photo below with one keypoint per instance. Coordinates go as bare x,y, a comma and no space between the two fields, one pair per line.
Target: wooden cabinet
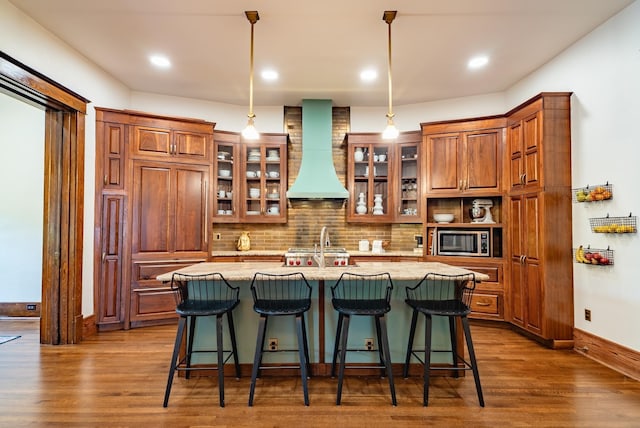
489,298
540,260
384,178
464,157
151,301
154,137
169,209
153,207
251,178
110,208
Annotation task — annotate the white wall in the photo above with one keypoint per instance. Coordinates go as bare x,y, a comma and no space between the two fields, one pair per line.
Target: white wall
408,117
227,117
603,72
22,168
25,40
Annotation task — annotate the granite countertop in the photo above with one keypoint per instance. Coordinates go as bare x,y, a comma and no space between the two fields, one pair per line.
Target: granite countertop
234,253
398,270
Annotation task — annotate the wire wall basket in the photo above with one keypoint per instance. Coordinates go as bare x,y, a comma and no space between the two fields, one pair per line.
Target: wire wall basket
614,224
599,192
593,256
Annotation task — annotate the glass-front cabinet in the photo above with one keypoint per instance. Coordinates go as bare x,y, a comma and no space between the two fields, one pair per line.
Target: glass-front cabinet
250,178
370,169
384,178
409,208
265,179
226,172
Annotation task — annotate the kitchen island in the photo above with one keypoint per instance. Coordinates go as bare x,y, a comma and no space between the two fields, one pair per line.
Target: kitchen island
322,319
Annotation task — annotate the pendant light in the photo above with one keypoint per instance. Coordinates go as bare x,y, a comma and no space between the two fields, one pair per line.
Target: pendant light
390,132
250,132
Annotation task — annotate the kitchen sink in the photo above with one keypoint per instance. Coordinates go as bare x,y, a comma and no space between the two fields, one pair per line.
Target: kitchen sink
308,257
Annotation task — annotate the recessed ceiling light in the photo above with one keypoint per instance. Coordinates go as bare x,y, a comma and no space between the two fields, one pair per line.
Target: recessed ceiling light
269,75
368,75
160,61
478,62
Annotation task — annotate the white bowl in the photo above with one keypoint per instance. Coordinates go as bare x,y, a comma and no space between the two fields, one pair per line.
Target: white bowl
251,174
443,218
274,174
225,173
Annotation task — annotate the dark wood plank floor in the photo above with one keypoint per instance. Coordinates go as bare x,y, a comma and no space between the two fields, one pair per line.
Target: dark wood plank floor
117,379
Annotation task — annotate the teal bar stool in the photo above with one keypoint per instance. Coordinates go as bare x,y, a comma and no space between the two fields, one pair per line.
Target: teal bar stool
203,296
279,296
362,295
447,296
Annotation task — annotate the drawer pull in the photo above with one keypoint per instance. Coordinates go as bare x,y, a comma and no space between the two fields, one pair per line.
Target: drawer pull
482,304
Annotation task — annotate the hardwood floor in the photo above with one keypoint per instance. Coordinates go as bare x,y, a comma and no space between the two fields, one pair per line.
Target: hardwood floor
117,379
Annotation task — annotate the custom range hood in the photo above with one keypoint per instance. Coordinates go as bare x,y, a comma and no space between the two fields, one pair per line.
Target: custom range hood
317,178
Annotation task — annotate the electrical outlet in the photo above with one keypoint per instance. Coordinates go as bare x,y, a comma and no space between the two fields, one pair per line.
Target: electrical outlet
273,344
587,314
368,343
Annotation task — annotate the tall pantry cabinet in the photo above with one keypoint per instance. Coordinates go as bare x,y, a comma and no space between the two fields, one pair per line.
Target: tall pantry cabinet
539,203
153,185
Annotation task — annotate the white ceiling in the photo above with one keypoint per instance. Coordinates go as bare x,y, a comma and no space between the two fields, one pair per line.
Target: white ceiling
320,47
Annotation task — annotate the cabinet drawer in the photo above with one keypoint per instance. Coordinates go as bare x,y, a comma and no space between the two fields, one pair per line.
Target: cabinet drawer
492,271
485,303
148,271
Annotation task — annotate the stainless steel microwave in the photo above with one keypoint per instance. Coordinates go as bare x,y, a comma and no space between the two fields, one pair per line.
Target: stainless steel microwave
463,242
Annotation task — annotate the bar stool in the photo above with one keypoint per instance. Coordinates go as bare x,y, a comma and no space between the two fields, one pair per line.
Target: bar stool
448,296
281,295
203,296
362,295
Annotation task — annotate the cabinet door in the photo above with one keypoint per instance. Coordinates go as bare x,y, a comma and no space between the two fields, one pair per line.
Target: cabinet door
109,287
524,146
151,141
370,175
531,140
170,209
531,261
443,165
481,161
516,163
526,281
191,213
113,155
517,293
191,145
264,178
226,170
154,142
409,186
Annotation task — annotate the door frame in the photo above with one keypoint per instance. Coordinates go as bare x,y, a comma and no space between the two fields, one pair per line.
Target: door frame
61,307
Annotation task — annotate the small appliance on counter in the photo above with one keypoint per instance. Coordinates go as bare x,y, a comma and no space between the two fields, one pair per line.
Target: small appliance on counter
376,247
481,211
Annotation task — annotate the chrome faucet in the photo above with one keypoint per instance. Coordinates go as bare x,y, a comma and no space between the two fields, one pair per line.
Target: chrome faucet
324,242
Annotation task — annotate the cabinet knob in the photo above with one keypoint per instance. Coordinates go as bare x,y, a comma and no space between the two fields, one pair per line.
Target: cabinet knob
106,180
